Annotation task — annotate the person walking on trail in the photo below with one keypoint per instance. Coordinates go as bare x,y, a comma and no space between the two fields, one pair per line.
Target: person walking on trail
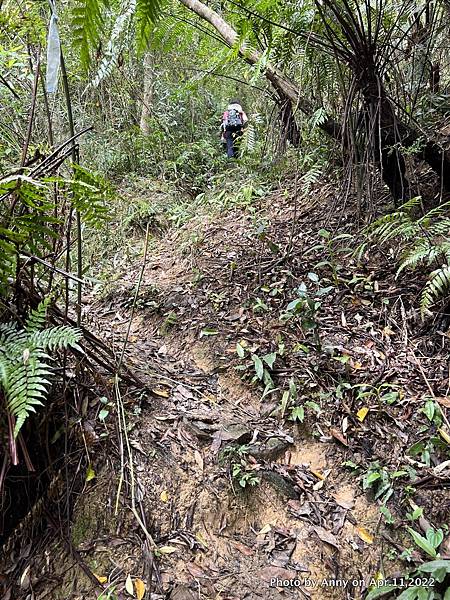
234,120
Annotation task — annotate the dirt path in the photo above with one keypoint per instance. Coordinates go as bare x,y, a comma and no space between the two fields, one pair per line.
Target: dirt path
305,530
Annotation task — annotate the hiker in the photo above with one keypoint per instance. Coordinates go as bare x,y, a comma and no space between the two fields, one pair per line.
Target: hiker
234,120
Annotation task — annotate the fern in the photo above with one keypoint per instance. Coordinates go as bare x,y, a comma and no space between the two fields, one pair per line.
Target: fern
147,13
87,22
424,242
25,375
29,226
90,194
115,43
436,287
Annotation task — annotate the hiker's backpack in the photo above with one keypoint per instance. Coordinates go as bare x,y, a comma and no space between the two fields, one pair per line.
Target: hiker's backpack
233,119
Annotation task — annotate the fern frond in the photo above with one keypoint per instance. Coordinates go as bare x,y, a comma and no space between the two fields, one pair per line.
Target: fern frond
89,194
87,26
115,43
147,13
25,375
56,338
37,317
436,287
414,256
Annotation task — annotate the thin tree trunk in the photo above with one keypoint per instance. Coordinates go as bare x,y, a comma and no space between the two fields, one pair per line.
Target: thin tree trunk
147,96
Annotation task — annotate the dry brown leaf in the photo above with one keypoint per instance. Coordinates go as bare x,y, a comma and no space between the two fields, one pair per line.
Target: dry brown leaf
444,401
161,392
326,536
199,459
243,549
339,436
265,529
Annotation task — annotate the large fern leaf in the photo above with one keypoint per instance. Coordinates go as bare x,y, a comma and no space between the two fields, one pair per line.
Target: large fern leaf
437,286
87,23
147,13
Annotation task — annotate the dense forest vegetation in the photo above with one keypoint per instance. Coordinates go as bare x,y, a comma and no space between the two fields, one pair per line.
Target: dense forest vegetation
224,376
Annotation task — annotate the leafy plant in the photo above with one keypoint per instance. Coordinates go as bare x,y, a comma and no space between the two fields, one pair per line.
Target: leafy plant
25,374
430,581
332,247
307,305
241,469
423,243
260,365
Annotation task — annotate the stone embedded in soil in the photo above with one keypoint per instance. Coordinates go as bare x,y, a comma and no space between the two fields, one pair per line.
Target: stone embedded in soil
271,449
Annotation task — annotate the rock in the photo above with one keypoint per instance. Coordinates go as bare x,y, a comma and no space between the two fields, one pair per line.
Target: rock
281,484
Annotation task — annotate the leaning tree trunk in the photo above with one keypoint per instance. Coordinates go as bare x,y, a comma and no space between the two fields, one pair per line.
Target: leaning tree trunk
392,132
285,88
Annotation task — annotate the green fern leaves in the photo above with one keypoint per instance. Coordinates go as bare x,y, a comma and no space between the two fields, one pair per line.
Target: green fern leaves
423,241
87,23
437,287
25,375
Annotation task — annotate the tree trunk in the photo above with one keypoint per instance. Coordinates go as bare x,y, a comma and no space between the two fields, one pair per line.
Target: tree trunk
391,131
286,89
147,95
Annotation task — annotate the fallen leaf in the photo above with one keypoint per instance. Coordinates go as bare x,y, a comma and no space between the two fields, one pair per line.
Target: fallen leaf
90,473
161,392
265,529
199,537
140,588
339,436
326,537
362,413
343,500
243,549
269,573
129,585
101,578
25,578
444,434
364,535
344,424
198,459
318,474
195,570
444,401
167,549
164,496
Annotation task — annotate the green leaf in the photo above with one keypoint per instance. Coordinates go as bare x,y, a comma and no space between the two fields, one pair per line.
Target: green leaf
297,414
269,359
381,591
371,477
208,331
103,414
429,409
422,543
415,592
259,367
90,473
435,537
240,350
